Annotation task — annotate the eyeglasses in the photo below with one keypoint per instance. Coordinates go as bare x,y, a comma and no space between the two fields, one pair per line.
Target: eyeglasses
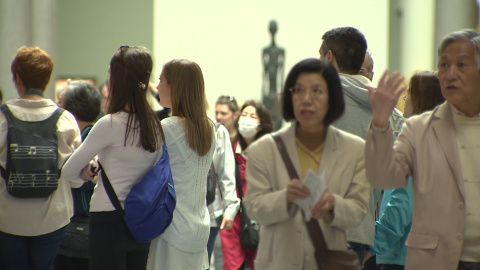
302,92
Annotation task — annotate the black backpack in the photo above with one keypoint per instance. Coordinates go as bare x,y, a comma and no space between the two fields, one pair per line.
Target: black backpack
211,184
32,156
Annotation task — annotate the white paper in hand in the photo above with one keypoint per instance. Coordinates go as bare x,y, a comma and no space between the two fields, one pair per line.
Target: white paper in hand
317,185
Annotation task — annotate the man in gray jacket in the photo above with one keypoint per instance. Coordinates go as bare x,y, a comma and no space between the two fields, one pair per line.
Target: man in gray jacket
345,48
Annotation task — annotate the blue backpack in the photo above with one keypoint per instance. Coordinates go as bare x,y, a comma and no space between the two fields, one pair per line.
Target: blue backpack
150,203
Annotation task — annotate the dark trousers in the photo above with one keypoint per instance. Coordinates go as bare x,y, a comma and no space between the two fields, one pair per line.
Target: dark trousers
211,241
70,263
359,250
112,246
392,267
468,266
29,252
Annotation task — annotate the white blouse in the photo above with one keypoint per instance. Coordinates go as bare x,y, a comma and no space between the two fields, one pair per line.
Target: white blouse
124,163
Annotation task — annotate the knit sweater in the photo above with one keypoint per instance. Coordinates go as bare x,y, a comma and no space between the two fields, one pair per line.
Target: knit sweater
190,226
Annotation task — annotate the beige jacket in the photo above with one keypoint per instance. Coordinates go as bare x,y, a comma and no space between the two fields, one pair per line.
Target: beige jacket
284,240
426,149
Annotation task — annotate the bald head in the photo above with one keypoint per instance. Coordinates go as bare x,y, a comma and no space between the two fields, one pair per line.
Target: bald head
367,66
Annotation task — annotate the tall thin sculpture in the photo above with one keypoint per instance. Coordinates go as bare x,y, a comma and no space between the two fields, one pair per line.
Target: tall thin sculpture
273,64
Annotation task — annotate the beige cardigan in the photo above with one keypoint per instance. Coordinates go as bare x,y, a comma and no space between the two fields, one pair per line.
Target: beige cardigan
284,240
427,150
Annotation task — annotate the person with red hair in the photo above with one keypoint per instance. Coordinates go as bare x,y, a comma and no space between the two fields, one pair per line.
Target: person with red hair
32,229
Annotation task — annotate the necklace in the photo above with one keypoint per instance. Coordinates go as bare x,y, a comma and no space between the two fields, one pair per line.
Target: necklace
313,154
33,92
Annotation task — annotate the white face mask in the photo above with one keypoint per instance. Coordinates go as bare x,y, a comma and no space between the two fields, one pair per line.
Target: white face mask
247,127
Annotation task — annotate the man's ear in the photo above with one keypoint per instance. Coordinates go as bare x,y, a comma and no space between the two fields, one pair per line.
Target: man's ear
330,56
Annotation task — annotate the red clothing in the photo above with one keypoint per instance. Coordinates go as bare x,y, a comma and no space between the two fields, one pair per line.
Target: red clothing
233,253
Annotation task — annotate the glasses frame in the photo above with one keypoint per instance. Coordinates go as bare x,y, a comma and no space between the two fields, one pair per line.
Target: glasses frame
307,91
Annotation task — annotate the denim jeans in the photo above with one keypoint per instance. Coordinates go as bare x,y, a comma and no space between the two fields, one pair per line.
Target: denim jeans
30,252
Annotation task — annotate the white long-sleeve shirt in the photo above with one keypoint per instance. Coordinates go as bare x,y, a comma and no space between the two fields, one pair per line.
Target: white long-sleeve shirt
226,199
124,165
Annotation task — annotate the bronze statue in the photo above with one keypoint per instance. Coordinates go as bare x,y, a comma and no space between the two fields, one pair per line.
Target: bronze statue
273,63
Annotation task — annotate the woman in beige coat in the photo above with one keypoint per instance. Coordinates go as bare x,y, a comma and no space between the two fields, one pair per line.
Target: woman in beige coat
313,98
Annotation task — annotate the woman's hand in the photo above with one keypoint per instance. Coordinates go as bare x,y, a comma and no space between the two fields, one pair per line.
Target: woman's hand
227,224
296,190
88,172
385,97
326,203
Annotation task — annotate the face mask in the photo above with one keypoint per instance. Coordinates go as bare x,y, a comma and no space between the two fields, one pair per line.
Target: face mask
247,127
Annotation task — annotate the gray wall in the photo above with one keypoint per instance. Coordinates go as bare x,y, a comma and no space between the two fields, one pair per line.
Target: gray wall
90,31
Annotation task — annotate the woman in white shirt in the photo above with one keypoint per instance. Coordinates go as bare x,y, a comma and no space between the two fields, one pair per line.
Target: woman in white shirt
189,135
128,143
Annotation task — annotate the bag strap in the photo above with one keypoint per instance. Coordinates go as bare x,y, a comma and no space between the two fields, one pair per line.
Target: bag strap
286,159
314,230
111,192
238,182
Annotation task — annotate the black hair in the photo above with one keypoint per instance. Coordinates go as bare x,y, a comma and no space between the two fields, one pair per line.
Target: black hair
336,103
348,45
83,100
264,116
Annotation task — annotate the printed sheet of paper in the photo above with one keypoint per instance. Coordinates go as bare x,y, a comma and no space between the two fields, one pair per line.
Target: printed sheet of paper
317,185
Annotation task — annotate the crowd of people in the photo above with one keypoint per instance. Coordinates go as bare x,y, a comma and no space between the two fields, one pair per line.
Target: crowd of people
350,183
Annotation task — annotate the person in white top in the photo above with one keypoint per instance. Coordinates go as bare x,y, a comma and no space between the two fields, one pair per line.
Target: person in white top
128,144
226,204
32,229
190,138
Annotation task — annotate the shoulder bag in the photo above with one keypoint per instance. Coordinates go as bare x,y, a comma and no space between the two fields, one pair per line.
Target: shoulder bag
326,259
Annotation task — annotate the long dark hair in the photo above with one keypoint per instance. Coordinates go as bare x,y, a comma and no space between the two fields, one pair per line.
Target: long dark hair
130,70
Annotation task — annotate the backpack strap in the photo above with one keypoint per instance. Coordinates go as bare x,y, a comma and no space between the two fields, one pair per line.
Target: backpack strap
53,118
8,116
111,192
